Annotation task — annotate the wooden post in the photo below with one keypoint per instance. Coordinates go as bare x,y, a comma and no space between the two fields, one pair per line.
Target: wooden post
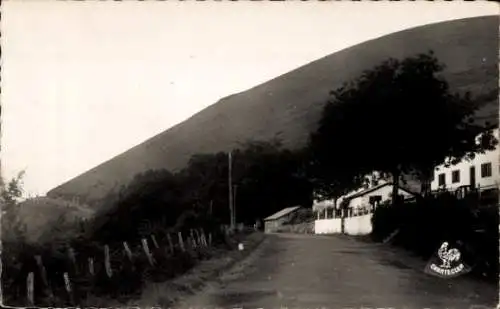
107,263
193,241
210,239
30,289
198,238
146,250
127,251
203,238
72,258
91,266
181,242
43,273
154,241
67,283
170,243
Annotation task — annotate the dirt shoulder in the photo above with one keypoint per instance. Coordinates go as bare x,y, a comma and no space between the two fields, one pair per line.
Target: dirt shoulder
168,293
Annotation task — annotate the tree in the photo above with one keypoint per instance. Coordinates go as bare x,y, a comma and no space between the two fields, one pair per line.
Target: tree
399,117
11,193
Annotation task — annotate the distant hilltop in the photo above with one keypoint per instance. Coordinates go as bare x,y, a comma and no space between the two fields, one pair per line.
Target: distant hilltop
289,106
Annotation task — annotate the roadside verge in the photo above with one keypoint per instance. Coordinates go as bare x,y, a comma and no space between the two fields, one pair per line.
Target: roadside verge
166,294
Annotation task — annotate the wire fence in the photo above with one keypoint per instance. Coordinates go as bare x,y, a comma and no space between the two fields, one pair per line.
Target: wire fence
66,274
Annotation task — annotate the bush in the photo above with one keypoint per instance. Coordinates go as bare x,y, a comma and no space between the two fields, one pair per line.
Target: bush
424,224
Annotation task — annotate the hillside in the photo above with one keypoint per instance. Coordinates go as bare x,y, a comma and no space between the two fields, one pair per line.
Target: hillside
41,214
289,106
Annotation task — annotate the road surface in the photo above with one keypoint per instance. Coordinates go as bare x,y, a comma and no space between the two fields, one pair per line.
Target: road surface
313,271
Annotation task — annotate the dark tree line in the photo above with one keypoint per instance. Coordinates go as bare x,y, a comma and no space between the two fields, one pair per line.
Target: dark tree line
265,178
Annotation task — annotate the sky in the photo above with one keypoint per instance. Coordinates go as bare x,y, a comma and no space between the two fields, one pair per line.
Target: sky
82,82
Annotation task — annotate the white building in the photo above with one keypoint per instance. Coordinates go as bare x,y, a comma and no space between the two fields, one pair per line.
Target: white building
481,172
358,217
375,188
320,204
380,193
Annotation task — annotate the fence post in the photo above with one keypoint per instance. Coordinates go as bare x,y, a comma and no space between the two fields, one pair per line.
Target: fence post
43,273
198,238
170,243
72,258
203,238
91,266
67,283
202,241
30,289
193,240
181,242
127,251
154,241
146,250
107,263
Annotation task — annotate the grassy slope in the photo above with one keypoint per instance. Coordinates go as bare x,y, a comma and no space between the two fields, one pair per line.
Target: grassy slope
289,106
42,213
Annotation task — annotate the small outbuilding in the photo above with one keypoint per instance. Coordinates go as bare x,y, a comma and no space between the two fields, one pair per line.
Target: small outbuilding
275,221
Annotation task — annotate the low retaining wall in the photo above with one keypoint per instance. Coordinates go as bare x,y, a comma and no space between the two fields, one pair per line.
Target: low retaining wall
328,226
358,225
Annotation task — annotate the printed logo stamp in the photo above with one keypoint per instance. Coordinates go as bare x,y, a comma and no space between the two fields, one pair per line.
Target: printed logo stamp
448,263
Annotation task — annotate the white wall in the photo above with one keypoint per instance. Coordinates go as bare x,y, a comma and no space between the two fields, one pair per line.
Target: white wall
360,225
492,157
328,226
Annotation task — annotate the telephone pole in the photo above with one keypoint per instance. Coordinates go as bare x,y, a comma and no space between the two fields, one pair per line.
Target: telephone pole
234,204
230,184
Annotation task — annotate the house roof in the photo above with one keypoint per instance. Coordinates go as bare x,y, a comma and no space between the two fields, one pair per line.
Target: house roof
282,213
376,188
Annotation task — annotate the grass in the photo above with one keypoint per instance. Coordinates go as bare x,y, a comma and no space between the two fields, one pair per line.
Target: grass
166,293
40,214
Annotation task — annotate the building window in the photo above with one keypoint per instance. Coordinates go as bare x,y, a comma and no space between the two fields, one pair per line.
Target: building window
486,170
441,179
455,176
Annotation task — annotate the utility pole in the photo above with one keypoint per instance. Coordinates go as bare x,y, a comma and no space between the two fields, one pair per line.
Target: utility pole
230,185
234,203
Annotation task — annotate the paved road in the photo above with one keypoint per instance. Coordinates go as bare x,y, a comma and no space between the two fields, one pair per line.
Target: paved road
312,271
